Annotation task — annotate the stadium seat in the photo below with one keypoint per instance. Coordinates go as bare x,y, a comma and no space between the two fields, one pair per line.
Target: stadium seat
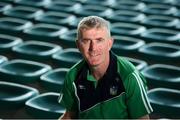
3,59
67,58
165,102
159,9
124,45
160,53
129,29
139,64
23,12
45,106
34,3
13,96
68,39
98,10
59,18
161,75
128,5
158,1
22,71
161,35
126,16
160,21
35,50
74,24
63,6
8,1
13,26
4,7
45,32
96,2
7,42
54,79
176,3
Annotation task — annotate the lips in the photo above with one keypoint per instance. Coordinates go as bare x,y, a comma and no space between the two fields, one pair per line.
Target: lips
94,55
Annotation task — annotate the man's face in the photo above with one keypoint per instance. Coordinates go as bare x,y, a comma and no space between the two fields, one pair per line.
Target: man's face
95,45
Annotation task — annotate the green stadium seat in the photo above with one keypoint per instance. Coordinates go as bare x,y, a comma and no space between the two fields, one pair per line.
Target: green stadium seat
128,5
160,52
7,42
176,3
67,58
159,9
4,7
139,64
13,96
34,3
124,45
68,39
35,50
22,71
160,21
59,18
45,106
161,35
54,79
98,10
158,1
13,26
3,59
63,6
23,12
165,102
45,32
99,2
129,29
161,75
178,26
8,1
126,16
74,24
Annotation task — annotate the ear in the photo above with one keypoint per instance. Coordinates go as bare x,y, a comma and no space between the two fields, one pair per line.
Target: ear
77,44
111,41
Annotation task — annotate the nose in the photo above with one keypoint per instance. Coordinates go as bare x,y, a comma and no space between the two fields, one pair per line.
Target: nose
92,46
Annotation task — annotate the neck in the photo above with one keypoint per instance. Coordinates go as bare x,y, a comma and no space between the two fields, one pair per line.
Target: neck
99,70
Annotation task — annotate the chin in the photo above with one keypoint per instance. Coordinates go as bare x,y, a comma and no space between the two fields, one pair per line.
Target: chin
94,64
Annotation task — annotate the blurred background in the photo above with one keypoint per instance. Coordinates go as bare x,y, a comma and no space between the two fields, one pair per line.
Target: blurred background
37,47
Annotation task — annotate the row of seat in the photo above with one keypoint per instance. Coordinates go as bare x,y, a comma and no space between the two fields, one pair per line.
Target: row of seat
52,33
123,45
71,6
158,75
38,15
15,96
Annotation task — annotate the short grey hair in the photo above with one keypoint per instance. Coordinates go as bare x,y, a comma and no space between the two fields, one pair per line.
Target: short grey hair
92,22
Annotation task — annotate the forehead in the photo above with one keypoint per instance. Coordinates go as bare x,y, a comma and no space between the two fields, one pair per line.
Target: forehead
94,32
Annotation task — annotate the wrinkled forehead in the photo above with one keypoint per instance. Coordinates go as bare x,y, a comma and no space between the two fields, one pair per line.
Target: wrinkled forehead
94,28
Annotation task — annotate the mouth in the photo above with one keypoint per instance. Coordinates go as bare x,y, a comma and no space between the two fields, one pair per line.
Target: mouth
94,55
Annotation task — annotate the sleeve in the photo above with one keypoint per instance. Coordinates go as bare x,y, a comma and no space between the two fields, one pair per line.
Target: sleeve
136,98
67,95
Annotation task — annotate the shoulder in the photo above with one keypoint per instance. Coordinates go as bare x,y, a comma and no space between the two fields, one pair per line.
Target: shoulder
125,68
73,71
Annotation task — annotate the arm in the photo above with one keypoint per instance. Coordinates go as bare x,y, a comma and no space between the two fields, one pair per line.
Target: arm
68,115
137,96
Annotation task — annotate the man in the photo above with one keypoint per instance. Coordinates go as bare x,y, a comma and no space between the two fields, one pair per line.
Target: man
103,85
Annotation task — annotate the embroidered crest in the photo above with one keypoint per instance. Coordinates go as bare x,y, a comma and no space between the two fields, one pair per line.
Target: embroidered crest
113,90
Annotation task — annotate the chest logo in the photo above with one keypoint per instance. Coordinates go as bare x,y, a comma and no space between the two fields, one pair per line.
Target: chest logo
113,90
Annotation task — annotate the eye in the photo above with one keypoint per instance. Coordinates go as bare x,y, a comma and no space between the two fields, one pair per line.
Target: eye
100,40
85,41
